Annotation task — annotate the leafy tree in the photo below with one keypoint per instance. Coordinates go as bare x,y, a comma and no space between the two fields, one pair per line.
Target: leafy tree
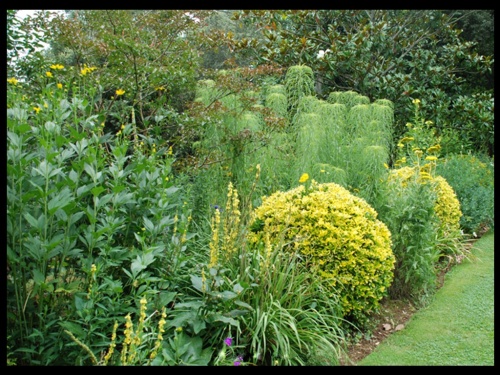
153,55
23,43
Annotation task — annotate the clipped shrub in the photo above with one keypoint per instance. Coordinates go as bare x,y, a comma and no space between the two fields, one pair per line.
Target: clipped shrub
339,237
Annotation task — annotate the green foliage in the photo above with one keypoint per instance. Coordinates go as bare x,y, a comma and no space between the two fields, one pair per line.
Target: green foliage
23,43
276,311
278,103
299,82
152,55
472,179
408,211
338,236
108,183
394,54
473,129
94,223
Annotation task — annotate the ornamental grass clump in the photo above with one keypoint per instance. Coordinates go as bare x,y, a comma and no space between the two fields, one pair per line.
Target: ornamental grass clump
338,236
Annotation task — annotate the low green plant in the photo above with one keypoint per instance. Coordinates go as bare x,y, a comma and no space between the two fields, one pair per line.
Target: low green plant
276,312
472,179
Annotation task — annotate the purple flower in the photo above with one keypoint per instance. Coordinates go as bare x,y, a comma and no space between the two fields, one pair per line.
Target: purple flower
238,361
229,341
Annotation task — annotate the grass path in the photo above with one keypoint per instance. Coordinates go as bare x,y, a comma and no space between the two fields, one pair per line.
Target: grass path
457,328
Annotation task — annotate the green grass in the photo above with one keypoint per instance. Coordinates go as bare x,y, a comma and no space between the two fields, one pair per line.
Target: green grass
457,328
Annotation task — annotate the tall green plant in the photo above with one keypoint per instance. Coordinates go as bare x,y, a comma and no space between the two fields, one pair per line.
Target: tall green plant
299,82
94,220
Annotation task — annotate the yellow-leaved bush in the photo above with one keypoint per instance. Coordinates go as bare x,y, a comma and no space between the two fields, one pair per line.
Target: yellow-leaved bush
338,235
447,207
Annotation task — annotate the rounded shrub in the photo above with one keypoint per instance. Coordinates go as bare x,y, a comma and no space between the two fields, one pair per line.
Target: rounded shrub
338,237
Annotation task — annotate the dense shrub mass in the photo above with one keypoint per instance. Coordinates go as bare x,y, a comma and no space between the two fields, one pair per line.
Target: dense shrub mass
338,235
473,182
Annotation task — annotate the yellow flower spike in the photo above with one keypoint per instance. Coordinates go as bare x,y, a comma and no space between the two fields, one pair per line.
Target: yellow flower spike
119,92
12,81
303,178
49,74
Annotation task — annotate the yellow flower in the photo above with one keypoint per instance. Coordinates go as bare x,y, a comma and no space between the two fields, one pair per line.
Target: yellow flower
418,152
120,92
322,171
303,178
434,148
86,69
407,139
425,176
170,152
57,67
431,158
429,122
59,85
37,109
416,101
160,88
13,81
386,166
49,74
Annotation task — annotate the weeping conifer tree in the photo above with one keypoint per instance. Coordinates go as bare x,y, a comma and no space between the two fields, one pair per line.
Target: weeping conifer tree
348,98
310,134
278,103
299,82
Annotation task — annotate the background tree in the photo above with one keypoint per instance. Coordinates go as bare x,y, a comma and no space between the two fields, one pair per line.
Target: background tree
153,55
24,41
395,54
